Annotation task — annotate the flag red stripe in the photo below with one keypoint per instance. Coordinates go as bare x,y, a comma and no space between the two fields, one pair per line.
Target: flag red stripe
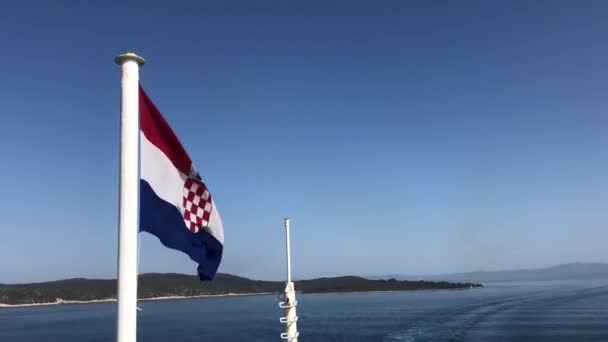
159,133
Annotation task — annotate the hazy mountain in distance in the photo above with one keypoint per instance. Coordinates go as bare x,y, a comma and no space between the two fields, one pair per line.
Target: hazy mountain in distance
572,271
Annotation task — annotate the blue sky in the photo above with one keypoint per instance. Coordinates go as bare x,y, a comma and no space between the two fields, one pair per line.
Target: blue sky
401,137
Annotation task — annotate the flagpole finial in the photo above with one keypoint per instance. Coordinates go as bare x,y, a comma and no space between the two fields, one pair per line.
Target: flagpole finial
129,56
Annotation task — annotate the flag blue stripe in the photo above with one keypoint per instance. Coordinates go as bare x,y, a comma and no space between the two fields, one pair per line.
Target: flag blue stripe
164,221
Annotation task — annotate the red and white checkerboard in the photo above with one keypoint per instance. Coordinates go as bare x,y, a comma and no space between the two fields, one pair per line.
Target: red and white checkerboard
197,204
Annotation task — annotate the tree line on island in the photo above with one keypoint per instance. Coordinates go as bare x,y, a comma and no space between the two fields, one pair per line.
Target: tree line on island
155,285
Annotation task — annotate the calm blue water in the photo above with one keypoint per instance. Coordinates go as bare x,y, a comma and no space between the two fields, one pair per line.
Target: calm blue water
556,311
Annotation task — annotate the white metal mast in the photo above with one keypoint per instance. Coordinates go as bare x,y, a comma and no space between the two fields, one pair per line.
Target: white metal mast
128,205
289,304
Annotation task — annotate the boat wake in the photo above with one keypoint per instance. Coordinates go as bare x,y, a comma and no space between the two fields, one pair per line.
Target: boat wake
534,316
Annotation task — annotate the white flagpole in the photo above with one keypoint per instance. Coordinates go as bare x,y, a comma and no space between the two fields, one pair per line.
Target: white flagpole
128,207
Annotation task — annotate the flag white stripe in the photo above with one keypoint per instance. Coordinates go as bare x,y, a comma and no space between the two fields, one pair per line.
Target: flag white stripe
216,227
168,182
156,169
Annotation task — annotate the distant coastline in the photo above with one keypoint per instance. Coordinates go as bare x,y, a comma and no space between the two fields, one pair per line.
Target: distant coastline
155,286
60,301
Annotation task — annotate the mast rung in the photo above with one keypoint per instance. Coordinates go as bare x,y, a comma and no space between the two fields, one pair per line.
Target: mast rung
285,336
291,305
285,320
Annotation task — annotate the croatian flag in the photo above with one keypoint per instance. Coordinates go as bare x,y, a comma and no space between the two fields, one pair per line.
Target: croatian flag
175,204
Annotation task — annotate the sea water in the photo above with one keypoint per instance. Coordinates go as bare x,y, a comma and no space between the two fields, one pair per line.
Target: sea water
552,311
